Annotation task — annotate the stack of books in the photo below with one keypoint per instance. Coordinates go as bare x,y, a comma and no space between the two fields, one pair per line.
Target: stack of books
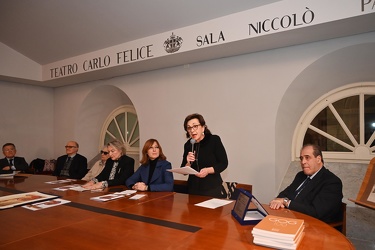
279,232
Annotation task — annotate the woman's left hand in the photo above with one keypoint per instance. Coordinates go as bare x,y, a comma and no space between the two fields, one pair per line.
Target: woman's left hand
204,172
98,185
141,186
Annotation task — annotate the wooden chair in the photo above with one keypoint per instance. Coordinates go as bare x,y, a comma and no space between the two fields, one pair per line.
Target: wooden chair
231,189
247,187
341,225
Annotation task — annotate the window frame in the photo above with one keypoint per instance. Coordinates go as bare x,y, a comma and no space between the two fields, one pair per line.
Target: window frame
361,153
130,150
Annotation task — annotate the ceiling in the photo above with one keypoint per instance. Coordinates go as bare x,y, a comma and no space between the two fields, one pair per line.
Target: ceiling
47,31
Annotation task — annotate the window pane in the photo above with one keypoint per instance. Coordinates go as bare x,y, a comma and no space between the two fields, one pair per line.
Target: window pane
328,123
312,137
112,128
135,137
121,123
133,124
108,138
348,109
132,119
369,117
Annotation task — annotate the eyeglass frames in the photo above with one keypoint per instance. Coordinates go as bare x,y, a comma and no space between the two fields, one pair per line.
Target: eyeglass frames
103,152
194,127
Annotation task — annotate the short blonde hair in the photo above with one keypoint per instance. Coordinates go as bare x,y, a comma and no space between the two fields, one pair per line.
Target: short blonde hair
118,145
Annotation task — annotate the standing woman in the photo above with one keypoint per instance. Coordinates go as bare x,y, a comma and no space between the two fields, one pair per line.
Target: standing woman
118,168
205,153
152,175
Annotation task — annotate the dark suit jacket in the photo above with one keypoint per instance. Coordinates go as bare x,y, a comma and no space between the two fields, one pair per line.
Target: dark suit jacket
321,198
78,166
161,180
125,169
18,162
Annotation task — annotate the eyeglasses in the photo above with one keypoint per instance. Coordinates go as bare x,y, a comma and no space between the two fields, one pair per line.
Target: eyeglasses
103,152
194,127
70,146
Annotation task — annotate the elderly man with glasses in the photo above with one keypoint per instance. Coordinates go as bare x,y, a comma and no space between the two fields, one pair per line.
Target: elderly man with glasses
71,165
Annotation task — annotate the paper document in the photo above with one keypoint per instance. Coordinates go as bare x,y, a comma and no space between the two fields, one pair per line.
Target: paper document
253,215
45,204
137,197
79,188
107,197
7,176
60,181
126,192
213,203
183,170
66,188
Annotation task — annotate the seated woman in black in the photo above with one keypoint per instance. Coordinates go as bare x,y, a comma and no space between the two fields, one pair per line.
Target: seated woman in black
118,168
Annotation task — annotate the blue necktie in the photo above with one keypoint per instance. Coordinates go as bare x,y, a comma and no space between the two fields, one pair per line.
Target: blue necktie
302,186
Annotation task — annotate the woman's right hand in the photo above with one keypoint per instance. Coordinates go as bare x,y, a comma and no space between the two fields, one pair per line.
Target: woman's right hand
88,184
190,157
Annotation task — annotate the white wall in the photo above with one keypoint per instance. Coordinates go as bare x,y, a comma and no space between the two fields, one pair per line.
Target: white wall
252,101
240,97
26,119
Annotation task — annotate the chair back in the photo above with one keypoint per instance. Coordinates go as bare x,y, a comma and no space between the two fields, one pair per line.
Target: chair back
231,189
341,225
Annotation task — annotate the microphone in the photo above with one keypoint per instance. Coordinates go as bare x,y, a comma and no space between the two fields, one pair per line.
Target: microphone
192,141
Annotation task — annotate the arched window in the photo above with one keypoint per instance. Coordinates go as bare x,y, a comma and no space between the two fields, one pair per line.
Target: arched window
122,124
342,123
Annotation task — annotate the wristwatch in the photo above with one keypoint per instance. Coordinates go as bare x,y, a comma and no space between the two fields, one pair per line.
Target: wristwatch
285,202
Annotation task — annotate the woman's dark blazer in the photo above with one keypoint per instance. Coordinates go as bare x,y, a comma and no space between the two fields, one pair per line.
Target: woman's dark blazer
161,180
125,169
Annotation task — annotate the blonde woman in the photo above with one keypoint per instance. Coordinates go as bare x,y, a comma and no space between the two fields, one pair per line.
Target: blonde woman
118,168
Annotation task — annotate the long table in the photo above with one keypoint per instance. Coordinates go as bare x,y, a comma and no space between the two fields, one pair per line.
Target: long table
160,220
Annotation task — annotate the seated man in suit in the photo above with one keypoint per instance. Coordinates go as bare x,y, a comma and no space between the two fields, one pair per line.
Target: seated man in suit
315,190
11,162
71,165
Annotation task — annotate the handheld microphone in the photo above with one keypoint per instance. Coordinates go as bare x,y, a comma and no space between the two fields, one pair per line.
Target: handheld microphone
192,141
